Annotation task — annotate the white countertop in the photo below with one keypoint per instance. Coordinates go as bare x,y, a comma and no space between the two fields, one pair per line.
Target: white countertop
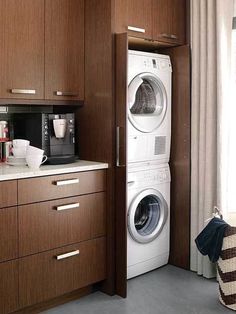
14,172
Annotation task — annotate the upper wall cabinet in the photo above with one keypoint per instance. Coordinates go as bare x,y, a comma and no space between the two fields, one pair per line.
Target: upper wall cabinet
169,21
22,49
41,50
139,21
158,20
64,49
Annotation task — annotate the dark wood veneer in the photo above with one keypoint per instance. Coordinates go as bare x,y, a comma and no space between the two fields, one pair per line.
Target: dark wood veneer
8,193
8,234
43,277
48,228
44,188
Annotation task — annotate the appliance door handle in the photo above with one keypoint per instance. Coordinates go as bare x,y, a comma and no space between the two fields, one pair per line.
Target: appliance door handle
136,29
66,255
61,93
23,91
68,206
67,182
133,87
118,147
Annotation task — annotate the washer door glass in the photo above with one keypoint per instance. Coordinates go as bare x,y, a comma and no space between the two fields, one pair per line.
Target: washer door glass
147,102
147,216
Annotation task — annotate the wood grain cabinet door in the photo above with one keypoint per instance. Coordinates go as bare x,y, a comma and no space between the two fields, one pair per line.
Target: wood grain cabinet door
169,21
8,193
48,225
53,273
22,49
8,234
140,18
64,49
8,287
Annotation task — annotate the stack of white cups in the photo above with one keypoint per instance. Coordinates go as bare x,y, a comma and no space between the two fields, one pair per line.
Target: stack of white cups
33,155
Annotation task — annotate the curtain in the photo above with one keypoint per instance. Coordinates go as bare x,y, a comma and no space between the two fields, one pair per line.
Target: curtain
211,27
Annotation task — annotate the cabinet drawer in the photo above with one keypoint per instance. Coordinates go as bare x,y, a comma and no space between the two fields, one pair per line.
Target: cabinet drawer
60,186
8,287
51,274
8,193
8,234
48,225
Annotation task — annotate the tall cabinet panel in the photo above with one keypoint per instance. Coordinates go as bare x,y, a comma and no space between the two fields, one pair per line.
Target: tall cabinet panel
22,49
64,49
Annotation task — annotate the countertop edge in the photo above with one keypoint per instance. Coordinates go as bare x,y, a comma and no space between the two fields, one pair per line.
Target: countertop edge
26,173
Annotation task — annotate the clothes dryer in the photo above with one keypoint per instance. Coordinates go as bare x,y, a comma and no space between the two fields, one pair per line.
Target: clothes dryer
149,107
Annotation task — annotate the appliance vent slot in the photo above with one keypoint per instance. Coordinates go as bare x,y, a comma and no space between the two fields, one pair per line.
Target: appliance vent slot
160,145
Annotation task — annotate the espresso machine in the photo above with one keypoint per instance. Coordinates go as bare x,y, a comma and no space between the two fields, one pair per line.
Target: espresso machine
54,133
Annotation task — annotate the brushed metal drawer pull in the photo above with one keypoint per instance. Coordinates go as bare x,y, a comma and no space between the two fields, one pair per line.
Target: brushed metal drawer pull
66,255
67,182
23,91
61,93
169,36
136,29
69,206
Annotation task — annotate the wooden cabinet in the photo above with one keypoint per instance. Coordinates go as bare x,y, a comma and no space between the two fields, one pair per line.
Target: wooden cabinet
60,186
42,50
8,234
22,49
64,49
52,237
8,287
139,18
8,193
48,275
162,21
169,23
61,222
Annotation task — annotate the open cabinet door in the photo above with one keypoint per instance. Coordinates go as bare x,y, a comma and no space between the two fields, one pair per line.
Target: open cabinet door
121,63
180,158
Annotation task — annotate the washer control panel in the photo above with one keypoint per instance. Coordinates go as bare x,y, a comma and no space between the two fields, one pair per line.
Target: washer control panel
149,177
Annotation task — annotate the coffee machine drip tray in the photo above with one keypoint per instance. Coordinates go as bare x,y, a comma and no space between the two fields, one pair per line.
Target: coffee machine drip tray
58,160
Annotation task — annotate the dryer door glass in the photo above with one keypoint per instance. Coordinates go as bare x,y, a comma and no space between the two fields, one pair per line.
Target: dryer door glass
147,217
147,102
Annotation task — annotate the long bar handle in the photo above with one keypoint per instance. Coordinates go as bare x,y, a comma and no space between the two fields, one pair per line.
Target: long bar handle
61,93
67,182
118,138
23,91
169,36
66,255
68,206
136,29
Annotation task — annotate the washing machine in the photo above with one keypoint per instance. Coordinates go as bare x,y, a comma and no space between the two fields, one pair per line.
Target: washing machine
148,219
149,107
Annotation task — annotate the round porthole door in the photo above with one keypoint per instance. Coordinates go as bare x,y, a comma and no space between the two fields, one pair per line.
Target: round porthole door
147,102
147,216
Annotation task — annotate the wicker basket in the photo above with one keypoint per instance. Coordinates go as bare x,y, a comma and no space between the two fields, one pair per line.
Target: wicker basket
227,269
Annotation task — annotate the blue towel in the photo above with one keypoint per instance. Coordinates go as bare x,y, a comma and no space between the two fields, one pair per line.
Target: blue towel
209,241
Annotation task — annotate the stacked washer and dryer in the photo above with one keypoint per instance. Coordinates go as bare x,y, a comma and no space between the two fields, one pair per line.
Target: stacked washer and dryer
149,137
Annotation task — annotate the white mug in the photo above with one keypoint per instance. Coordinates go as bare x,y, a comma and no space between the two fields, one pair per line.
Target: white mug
19,151
20,143
35,161
59,126
31,150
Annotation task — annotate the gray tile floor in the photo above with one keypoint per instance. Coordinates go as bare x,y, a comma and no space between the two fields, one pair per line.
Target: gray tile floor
168,290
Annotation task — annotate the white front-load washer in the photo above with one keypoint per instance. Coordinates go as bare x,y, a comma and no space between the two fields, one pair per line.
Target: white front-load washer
148,217
149,107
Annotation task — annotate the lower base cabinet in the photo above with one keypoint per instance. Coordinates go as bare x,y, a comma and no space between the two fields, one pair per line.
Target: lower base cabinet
8,287
53,273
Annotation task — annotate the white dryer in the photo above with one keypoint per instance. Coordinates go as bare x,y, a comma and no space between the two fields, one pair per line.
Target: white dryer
148,217
149,107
